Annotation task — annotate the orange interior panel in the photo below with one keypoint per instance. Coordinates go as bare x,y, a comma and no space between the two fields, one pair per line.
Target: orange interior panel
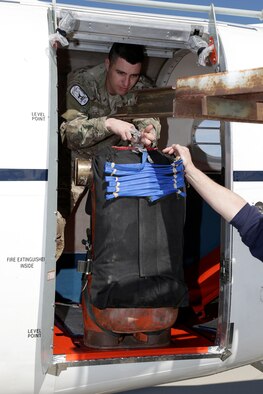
183,341
203,281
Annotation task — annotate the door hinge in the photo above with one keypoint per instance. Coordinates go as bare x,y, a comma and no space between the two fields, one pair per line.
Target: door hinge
226,270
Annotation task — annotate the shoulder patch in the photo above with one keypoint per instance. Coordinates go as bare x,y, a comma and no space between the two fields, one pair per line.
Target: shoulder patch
79,94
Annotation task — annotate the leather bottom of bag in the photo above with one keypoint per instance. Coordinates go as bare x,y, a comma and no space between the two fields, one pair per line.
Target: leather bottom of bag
126,327
103,340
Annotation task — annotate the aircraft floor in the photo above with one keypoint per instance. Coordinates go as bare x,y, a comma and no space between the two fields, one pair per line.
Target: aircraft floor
68,340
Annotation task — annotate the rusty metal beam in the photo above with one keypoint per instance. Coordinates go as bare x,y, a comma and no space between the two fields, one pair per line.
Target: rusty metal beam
223,83
150,103
231,109
220,108
231,96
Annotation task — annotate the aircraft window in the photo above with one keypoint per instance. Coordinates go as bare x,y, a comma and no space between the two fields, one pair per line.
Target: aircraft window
207,137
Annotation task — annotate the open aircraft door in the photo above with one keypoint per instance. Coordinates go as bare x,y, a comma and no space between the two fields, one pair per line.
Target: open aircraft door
45,356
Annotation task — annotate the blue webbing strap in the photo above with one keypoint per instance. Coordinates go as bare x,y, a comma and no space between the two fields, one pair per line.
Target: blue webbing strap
144,179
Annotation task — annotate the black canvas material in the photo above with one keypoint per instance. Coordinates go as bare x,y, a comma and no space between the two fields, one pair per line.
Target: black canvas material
137,245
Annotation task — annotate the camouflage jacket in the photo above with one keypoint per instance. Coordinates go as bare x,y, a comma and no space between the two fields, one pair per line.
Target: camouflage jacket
89,104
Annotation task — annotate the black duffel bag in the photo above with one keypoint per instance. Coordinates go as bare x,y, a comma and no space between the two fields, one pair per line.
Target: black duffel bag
137,244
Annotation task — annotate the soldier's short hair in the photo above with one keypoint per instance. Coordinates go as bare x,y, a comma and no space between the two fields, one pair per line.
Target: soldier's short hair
132,53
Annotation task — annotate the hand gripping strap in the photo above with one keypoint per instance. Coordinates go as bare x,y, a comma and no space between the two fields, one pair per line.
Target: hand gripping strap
144,179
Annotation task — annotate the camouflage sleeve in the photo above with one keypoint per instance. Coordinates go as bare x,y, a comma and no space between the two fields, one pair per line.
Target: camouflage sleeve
80,90
141,123
82,132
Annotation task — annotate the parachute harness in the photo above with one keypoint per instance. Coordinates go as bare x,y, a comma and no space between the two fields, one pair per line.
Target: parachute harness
144,179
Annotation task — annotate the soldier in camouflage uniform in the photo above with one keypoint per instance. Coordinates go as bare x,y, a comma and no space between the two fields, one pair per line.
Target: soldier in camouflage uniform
94,94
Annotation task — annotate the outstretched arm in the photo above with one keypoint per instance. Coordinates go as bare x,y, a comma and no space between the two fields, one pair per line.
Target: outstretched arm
221,199
82,132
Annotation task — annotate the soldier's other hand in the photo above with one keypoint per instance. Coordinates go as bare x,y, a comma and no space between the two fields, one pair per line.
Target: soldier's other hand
120,128
148,136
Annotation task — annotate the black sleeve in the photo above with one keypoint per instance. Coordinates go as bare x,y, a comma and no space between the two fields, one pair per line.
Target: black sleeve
249,223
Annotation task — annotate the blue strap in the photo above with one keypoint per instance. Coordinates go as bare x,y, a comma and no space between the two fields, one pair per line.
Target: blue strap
145,179
128,169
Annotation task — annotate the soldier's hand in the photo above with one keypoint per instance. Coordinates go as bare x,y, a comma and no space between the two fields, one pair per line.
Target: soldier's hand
148,136
120,128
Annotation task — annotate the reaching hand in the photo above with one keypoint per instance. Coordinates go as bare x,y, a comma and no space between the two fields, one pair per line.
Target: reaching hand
181,151
148,135
120,128
124,130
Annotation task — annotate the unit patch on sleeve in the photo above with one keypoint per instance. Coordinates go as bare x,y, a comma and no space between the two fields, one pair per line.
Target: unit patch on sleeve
79,94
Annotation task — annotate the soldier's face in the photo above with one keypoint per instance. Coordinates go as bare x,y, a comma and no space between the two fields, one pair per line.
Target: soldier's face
121,76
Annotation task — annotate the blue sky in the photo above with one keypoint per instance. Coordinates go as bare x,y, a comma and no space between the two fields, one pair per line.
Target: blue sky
240,4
